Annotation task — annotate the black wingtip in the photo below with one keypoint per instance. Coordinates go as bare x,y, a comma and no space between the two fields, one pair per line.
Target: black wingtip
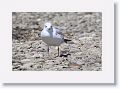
66,40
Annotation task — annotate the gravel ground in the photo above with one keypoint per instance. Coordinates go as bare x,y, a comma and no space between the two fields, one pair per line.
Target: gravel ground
84,53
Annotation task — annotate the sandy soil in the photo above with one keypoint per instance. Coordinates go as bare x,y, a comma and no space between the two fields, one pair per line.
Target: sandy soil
84,53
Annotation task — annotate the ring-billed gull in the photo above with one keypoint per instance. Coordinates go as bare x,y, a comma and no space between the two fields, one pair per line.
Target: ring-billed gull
52,36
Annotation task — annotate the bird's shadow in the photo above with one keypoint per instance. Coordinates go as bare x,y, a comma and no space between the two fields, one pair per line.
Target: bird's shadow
64,55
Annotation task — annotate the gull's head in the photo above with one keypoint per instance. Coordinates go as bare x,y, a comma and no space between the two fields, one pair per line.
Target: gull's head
48,27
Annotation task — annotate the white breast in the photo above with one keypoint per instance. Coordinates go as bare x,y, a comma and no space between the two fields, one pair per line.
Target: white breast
51,39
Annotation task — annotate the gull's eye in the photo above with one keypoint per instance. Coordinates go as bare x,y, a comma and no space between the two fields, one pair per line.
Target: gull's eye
45,26
50,26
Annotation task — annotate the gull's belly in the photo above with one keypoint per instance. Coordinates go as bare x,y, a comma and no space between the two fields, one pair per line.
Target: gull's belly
52,41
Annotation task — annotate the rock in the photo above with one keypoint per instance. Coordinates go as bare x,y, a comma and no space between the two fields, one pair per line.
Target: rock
25,60
27,66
